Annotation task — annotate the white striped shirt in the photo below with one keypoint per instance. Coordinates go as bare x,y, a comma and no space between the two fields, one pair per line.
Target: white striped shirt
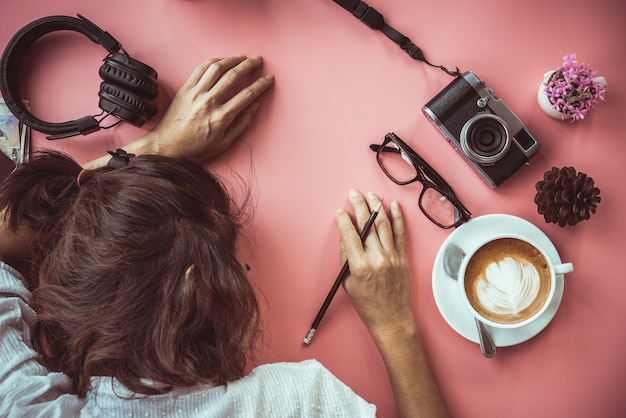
27,389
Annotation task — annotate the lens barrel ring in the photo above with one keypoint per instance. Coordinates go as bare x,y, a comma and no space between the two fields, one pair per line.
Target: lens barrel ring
485,138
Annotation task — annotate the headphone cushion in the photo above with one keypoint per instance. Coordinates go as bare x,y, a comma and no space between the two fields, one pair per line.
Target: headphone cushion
132,74
125,105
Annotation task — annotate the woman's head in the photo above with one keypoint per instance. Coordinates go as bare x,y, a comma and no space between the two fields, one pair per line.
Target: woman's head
141,277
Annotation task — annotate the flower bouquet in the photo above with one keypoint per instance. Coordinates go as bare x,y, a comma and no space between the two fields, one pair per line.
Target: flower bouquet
571,90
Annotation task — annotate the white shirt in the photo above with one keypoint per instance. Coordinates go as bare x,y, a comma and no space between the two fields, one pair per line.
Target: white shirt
27,389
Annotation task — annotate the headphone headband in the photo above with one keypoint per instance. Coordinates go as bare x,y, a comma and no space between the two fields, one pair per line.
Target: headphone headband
142,77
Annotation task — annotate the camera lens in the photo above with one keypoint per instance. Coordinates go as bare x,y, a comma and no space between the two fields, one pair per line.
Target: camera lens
485,138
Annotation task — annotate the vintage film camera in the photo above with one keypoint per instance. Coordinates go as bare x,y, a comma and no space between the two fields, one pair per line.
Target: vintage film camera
482,128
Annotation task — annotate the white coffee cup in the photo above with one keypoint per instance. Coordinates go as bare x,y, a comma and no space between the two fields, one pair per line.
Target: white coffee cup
508,281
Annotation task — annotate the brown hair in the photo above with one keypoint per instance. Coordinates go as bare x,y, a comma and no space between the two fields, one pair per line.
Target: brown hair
139,275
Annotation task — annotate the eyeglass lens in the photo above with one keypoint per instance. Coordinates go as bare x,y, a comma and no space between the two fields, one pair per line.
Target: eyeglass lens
397,164
438,208
399,167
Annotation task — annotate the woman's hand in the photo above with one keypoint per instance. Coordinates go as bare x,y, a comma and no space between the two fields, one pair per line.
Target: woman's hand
207,114
205,117
378,284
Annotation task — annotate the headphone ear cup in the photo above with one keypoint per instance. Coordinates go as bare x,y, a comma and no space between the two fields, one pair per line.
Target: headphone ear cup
128,88
125,105
127,72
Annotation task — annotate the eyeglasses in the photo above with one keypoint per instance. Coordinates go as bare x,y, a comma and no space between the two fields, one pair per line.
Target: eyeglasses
404,166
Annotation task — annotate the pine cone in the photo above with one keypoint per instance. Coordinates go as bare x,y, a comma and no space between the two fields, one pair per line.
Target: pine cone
566,197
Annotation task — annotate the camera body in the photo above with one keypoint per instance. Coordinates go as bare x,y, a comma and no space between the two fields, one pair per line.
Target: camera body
482,128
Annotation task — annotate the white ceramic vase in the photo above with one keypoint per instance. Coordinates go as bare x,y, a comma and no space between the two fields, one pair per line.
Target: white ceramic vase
544,102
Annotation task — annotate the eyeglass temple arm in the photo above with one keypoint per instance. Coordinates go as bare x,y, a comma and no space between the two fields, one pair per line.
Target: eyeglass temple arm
376,147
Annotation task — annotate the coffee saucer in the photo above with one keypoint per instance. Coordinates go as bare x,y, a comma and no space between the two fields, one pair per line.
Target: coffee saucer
446,290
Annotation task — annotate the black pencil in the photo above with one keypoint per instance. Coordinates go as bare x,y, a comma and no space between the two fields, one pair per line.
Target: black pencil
340,277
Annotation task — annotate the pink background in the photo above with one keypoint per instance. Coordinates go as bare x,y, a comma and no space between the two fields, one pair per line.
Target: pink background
341,86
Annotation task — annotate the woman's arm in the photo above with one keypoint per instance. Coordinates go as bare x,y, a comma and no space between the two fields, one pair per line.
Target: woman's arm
379,288
206,115
204,118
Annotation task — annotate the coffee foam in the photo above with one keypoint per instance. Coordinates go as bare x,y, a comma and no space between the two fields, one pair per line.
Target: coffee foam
507,280
509,286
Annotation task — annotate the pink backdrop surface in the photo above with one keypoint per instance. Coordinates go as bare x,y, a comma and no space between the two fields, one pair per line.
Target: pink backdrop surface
341,86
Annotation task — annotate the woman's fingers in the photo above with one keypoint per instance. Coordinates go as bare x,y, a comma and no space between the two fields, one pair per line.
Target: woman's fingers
215,71
350,241
239,125
247,95
198,72
383,226
221,76
397,221
362,214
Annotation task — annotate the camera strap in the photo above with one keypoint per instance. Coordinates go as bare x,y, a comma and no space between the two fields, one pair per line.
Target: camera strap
374,20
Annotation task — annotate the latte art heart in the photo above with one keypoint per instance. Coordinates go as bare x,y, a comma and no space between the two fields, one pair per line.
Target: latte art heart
507,281
508,286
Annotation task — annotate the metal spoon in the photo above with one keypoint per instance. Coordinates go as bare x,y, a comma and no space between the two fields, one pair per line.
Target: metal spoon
452,258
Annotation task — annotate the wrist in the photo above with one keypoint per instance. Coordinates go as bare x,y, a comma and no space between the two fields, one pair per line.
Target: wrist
395,333
145,145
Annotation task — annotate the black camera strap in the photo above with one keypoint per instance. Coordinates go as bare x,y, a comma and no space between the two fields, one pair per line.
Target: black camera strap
373,19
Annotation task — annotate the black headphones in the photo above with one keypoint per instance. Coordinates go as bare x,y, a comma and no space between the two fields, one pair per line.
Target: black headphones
127,91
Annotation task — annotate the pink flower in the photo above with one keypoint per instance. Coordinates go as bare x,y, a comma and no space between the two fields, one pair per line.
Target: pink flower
569,60
573,88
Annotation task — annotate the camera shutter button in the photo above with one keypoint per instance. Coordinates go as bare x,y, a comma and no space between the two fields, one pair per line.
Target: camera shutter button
482,102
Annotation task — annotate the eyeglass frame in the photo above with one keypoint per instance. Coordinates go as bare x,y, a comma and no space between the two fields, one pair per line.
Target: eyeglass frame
425,174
